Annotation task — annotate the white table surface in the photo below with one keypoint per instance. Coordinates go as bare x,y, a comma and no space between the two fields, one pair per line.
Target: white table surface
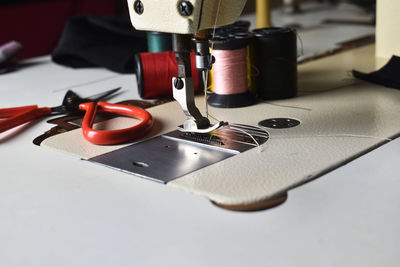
56,210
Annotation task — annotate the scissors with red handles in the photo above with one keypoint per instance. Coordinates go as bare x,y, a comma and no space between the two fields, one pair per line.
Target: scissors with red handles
71,104
111,137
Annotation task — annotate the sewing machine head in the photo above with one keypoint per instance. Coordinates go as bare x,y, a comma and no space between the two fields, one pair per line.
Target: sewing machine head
183,16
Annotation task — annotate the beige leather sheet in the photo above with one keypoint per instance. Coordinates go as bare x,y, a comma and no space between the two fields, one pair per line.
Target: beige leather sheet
341,119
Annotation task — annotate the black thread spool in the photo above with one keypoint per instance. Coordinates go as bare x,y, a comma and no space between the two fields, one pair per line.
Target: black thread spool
275,51
230,42
238,26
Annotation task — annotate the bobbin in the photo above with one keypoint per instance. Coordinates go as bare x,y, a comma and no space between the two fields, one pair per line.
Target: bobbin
231,38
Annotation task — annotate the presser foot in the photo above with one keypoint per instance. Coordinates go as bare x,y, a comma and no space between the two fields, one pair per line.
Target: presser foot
191,126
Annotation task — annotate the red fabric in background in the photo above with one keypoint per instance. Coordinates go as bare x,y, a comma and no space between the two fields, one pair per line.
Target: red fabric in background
38,26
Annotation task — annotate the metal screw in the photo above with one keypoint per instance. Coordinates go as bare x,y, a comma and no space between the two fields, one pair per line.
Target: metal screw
185,8
178,83
138,6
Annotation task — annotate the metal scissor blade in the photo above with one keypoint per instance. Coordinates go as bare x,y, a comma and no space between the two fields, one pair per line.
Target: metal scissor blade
72,101
103,95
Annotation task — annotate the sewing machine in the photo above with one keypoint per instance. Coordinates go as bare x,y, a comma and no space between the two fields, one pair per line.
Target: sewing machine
187,20
58,210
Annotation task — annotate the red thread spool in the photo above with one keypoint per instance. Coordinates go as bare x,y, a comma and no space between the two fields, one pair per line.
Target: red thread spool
154,72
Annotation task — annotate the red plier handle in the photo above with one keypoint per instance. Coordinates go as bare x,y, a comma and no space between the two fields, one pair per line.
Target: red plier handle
113,137
20,115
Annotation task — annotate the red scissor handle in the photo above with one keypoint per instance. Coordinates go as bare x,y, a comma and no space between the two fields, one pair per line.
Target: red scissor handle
20,115
113,137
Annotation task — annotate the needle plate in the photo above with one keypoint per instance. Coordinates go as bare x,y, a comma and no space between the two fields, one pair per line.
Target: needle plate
167,157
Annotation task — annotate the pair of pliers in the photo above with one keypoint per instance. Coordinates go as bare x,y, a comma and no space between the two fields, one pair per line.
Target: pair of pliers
71,104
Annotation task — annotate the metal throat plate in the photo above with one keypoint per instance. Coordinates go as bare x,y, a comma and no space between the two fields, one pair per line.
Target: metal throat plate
172,155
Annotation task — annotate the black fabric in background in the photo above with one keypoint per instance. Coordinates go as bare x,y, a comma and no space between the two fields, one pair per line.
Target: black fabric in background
93,41
388,75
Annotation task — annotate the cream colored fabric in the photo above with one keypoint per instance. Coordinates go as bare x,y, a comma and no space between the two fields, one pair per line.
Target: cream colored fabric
341,119
387,28
336,127
166,118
